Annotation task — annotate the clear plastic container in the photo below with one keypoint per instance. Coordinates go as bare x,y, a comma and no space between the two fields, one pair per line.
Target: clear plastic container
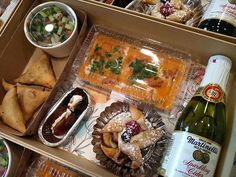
187,12
142,70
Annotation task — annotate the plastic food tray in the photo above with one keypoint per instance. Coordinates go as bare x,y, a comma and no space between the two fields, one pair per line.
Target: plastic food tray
141,69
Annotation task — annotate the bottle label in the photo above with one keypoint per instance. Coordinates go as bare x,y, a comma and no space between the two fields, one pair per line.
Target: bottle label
222,10
212,93
190,155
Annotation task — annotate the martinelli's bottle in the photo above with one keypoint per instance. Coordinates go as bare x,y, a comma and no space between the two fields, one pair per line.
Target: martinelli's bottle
196,142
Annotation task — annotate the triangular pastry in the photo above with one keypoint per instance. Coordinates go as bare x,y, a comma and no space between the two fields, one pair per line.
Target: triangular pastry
11,111
7,86
30,98
39,73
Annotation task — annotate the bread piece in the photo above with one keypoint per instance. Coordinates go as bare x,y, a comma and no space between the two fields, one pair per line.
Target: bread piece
11,111
180,16
30,98
39,73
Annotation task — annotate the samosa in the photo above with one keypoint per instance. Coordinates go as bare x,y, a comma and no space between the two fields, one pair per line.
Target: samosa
30,98
39,73
7,86
11,112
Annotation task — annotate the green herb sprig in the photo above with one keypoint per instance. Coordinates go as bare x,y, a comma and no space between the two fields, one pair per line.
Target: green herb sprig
142,71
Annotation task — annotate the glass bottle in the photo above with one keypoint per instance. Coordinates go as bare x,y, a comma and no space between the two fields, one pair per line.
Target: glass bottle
196,142
220,17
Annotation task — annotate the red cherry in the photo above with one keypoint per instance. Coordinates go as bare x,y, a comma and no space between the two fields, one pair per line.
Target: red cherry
133,127
166,9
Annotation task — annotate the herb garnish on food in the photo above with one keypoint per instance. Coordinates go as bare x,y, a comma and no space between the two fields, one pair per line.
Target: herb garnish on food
97,48
116,49
114,65
98,66
142,71
4,160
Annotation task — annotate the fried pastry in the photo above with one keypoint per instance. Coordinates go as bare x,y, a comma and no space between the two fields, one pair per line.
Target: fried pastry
39,73
180,11
11,111
116,125
126,134
146,138
30,98
7,86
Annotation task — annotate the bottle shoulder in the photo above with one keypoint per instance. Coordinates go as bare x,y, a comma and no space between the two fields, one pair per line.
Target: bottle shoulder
203,118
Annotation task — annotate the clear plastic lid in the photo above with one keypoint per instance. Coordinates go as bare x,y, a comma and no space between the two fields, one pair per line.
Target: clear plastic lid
143,70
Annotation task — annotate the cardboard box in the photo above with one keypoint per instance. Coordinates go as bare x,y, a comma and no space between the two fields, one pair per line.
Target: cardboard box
200,46
7,7
172,23
26,53
13,21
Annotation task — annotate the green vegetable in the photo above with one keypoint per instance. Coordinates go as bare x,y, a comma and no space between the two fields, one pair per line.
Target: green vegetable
116,49
97,48
98,66
59,30
142,71
3,161
69,26
64,19
51,18
48,22
43,14
56,9
115,66
107,54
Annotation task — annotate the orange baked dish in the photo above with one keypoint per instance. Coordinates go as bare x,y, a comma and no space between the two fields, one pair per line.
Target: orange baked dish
140,73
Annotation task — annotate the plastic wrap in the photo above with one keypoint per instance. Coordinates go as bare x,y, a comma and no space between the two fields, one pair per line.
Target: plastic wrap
188,12
143,70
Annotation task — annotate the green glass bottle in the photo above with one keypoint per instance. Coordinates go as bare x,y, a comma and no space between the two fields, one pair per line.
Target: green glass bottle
196,142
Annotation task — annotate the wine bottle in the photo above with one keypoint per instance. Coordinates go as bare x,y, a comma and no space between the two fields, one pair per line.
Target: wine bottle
220,17
196,142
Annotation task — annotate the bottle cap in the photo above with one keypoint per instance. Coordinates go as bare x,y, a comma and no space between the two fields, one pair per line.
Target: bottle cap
217,71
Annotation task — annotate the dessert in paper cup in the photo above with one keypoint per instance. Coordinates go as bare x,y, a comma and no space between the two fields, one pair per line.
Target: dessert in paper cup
129,140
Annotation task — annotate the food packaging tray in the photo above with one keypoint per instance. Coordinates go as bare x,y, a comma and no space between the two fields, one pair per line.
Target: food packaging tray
202,46
141,69
81,141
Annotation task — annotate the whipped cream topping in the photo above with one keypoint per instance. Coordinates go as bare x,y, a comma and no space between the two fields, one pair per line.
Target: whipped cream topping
74,101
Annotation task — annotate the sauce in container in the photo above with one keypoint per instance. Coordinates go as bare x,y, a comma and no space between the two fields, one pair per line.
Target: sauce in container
64,117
